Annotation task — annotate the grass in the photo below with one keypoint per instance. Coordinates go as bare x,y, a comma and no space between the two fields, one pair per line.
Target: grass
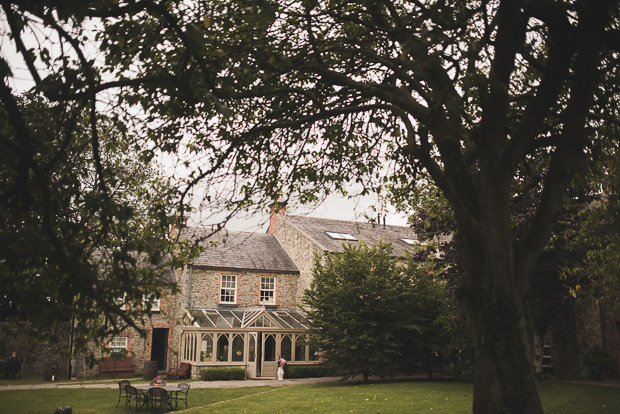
385,398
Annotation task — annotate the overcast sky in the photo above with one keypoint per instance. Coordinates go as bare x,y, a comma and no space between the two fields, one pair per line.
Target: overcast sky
334,207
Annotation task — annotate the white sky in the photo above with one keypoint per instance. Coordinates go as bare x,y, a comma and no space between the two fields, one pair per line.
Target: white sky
334,207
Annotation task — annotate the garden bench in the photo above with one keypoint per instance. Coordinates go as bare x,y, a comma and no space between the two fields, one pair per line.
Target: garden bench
116,368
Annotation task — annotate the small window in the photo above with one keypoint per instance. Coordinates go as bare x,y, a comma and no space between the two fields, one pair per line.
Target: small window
206,348
222,348
286,349
118,343
238,345
228,289
155,303
341,236
300,348
120,301
267,290
262,322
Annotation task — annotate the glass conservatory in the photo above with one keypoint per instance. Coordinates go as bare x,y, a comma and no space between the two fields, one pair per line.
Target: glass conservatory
248,338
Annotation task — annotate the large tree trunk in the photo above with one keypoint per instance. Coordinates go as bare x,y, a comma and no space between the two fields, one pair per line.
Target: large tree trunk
493,297
504,379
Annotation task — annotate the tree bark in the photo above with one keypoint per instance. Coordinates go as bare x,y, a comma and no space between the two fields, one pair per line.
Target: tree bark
504,380
493,299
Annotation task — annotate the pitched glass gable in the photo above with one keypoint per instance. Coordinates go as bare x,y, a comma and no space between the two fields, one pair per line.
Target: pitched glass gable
249,318
215,318
263,322
291,319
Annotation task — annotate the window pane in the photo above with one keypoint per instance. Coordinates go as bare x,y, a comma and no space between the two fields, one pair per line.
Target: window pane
228,289
263,322
267,290
286,347
118,342
300,348
252,355
222,348
206,348
238,348
270,348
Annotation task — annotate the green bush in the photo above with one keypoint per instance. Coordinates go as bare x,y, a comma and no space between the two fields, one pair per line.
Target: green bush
600,362
306,371
222,374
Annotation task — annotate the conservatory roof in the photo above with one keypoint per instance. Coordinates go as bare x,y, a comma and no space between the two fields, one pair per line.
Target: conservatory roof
248,318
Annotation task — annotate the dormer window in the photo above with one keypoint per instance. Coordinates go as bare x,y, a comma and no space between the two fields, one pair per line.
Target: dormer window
341,236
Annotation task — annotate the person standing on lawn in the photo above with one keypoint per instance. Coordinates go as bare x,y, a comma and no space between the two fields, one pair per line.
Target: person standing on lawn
281,365
12,366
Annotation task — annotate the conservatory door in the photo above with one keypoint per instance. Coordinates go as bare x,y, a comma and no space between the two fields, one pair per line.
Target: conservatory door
253,355
269,363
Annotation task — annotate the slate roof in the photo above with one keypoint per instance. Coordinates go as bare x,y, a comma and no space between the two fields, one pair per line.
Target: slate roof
371,234
242,251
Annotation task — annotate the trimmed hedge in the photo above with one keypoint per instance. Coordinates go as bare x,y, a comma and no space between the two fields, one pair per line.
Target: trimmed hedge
306,371
222,374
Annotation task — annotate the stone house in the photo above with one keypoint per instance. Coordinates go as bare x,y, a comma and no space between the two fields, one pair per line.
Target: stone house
238,304
240,308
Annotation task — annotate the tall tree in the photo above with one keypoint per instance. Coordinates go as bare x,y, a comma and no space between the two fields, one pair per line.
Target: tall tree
77,235
375,314
486,97
490,98
86,215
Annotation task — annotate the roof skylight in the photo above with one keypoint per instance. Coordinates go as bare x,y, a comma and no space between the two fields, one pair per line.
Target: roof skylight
341,236
410,242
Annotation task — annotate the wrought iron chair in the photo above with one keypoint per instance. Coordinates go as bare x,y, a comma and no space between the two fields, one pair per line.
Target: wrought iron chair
180,394
122,391
158,396
184,371
135,395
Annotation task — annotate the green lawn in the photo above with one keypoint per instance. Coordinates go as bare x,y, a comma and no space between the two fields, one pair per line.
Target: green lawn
384,398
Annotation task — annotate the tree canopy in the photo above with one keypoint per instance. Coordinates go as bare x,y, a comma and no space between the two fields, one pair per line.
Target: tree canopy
376,314
80,232
492,100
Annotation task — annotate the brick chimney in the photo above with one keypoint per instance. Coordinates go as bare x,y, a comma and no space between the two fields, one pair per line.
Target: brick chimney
177,226
276,208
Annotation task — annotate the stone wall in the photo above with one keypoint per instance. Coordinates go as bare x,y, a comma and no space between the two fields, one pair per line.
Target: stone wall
300,248
36,355
203,287
574,333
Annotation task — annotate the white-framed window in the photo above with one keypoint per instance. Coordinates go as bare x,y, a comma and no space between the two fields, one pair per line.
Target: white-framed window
118,343
341,236
267,295
155,303
120,301
228,289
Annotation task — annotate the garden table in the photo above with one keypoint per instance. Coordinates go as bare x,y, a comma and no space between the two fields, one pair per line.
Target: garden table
169,388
